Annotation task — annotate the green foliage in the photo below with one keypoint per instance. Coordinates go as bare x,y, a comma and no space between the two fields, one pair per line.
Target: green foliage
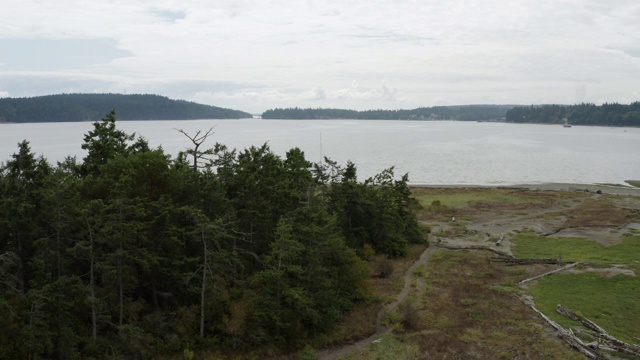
378,212
307,353
132,254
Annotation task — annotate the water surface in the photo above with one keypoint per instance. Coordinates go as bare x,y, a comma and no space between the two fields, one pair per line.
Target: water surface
432,152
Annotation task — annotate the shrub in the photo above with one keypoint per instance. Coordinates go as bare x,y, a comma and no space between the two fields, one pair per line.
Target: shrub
384,267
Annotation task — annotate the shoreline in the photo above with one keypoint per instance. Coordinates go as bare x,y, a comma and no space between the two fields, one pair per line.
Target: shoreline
614,189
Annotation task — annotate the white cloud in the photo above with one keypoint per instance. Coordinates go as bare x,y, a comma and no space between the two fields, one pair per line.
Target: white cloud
259,55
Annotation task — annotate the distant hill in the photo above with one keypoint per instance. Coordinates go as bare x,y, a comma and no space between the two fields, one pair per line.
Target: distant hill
459,112
93,107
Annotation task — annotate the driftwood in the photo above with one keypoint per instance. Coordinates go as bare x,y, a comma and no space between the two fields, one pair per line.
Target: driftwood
553,232
601,333
548,273
477,247
569,337
516,261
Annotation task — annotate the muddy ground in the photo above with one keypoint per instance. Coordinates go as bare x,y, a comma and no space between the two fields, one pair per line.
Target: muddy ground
600,213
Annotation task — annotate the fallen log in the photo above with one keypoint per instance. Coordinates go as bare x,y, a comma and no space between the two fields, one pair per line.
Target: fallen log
553,232
568,336
602,333
516,261
477,247
548,273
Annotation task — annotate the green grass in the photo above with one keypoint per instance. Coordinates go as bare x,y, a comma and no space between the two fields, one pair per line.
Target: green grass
611,302
466,199
387,348
576,249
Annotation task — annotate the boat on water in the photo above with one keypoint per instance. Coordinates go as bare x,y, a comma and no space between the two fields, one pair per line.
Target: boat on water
566,123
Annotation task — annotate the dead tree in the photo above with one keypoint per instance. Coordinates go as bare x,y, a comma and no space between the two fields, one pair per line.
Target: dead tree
197,139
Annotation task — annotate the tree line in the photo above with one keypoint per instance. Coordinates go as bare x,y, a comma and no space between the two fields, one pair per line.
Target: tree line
131,253
461,112
608,114
91,107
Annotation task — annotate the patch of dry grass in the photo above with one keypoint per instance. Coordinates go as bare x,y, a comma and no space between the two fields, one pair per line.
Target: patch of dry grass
468,311
596,213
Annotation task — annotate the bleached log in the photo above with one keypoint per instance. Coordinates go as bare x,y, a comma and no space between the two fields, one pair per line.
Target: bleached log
548,273
477,247
602,333
515,261
568,336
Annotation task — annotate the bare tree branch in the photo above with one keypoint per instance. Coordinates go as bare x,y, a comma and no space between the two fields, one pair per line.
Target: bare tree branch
197,139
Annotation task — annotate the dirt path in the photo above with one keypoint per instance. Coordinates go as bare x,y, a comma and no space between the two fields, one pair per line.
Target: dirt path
337,352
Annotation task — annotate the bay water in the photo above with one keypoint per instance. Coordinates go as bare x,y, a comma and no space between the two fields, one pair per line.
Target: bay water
432,152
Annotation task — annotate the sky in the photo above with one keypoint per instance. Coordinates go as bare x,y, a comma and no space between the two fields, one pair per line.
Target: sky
372,54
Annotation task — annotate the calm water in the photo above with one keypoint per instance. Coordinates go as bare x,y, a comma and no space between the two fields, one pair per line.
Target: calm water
435,152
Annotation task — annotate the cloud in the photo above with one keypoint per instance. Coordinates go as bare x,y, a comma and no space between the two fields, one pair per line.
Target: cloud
315,94
23,84
169,15
581,93
382,93
55,54
263,54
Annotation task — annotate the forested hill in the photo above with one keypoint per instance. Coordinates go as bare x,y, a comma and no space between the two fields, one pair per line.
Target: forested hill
132,254
91,107
460,112
582,114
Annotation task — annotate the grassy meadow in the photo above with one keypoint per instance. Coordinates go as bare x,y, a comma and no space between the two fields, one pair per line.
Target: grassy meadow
612,302
576,249
462,305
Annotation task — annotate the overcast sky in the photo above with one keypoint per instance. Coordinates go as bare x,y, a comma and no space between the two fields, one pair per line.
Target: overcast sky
257,55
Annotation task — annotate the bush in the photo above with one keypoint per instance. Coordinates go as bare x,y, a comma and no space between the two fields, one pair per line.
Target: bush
308,354
409,316
383,267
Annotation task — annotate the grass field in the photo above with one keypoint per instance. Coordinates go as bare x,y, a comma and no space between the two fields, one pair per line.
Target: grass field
576,249
464,198
463,306
611,302
468,311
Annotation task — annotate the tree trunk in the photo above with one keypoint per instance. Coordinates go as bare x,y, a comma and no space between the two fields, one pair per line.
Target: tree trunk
120,292
204,284
94,314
